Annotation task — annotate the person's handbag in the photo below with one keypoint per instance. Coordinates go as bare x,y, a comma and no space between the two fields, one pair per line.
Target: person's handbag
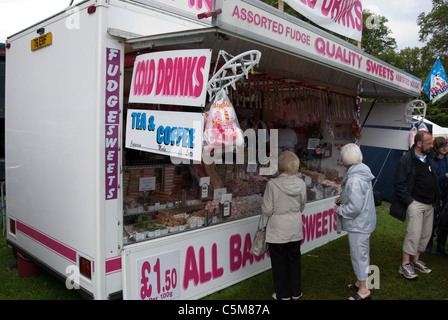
259,245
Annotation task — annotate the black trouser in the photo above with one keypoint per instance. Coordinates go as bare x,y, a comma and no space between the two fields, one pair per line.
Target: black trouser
286,261
441,239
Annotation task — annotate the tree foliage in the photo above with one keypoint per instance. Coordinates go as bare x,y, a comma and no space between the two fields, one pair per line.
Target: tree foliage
375,36
433,32
434,29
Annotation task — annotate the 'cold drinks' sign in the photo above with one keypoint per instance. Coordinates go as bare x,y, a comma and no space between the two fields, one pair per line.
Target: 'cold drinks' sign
171,77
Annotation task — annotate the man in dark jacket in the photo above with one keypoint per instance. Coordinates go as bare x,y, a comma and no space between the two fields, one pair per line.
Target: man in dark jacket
416,193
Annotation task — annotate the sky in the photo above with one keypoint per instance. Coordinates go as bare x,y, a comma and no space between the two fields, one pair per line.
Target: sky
402,18
16,15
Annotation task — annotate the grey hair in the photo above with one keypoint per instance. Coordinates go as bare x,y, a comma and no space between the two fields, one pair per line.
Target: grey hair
288,163
351,154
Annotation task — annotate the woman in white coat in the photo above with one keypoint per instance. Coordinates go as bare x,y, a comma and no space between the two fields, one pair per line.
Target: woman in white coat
356,211
283,202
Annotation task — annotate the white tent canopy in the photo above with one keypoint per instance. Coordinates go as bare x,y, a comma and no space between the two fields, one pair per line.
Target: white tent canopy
437,131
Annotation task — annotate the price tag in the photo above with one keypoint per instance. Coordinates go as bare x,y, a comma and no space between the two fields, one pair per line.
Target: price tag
251,167
219,192
204,182
158,276
225,202
147,184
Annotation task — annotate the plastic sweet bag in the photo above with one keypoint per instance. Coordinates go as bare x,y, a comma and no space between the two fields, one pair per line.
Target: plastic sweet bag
221,126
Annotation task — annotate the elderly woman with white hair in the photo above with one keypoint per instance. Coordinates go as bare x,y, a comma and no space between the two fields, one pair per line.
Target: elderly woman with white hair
356,210
283,202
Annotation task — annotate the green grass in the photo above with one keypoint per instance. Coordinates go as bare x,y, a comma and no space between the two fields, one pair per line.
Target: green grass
41,287
326,271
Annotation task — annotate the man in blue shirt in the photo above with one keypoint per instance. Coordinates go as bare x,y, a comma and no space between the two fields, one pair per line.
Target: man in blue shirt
416,195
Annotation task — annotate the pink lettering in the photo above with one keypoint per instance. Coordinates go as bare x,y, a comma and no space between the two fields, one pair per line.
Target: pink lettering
318,225
112,121
190,64
178,85
199,3
160,76
235,258
247,256
336,11
203,275
191,268
343,12
168,75
297,35
217,272
260,21
150,76
144,77
199,77
181,77
199,274
238,258
358,12
379,70
326,7
324,223
333,51
309,3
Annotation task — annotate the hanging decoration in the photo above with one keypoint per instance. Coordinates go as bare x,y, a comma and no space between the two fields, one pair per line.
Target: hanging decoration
356,128
415,108
328,124
234,69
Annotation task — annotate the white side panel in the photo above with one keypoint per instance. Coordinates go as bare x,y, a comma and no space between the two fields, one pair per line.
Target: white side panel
139,20
385,138
384,114
53,126
384,126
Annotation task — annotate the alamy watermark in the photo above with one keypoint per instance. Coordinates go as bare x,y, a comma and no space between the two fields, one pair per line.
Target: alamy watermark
373,280
73,277
373,22
73,21
256,144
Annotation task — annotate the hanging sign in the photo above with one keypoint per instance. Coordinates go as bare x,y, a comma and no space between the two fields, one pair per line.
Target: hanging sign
174,134
343,17
171,77
112,122
267,26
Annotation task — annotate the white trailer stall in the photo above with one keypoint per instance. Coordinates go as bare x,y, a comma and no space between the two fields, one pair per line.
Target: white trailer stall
78,196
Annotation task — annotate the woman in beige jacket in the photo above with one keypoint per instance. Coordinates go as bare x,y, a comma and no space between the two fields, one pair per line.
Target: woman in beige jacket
283,202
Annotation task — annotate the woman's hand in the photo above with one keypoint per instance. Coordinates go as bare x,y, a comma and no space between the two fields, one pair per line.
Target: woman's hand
337,201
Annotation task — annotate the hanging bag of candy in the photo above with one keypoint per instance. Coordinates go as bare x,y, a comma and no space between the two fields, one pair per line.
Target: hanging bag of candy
221,127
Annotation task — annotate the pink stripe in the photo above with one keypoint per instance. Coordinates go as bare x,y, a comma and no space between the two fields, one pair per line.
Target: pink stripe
113,265
54,245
